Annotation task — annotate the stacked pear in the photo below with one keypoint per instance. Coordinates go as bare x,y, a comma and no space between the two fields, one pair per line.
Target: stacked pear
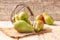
39,17
38,24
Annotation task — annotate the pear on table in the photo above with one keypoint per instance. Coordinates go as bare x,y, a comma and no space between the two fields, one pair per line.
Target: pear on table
22,26
38,24
39,17
48,19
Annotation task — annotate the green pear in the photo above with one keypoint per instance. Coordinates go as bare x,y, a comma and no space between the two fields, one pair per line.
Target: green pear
48,19
38,25
23,15
27,21
22,26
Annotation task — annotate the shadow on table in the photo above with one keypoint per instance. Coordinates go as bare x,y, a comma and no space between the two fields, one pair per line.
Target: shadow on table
55,25
46,30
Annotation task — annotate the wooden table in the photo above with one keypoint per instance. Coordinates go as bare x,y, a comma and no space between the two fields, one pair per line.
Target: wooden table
54,33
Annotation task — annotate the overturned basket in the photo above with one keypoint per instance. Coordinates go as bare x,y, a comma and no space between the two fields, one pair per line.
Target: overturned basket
22,7
11,31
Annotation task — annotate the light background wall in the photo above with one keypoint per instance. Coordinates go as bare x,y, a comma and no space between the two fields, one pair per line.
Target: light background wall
52,7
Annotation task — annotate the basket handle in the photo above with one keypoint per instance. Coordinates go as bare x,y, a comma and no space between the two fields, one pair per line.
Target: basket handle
24,5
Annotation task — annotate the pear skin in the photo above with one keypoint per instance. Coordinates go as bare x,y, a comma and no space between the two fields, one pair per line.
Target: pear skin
28,21
22,26
23,15
48,19
38,25
39,17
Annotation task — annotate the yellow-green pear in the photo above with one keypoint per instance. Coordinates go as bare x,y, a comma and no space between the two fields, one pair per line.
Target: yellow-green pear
22,26
23,15
48,19
28,21
39,17
38,25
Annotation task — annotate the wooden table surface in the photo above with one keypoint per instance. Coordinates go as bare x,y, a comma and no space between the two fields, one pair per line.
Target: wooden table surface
54,33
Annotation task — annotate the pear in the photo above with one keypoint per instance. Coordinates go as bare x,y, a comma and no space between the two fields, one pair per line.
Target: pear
23,15
22,26
39,17
48,19
15,18
38,25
